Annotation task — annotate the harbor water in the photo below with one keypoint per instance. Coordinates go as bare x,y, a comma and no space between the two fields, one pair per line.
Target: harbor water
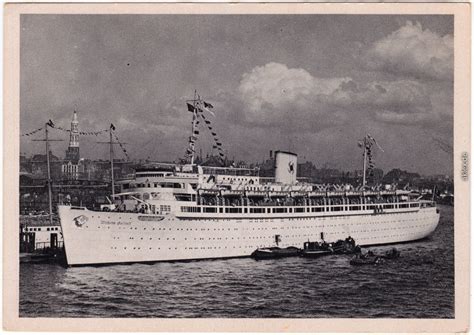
420,284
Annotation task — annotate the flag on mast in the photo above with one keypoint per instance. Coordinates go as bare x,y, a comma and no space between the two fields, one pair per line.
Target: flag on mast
208,105
190,108
374,141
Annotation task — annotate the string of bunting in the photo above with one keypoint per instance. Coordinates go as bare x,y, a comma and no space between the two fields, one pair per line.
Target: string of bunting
33,132
95,133
200,106
369,142
194,137
192,140
190,149
84,133
121,146
218,144
370,161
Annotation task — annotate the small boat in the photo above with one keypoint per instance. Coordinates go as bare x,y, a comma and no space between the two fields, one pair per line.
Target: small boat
345,247
316,249
275,252
369,257
365,260
391,254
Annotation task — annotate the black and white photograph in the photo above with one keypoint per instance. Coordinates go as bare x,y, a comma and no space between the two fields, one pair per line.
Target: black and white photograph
237,166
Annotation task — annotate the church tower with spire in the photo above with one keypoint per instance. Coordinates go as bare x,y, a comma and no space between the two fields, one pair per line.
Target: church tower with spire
70,167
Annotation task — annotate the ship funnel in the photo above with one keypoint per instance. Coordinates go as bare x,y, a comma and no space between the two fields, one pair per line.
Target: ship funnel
285,167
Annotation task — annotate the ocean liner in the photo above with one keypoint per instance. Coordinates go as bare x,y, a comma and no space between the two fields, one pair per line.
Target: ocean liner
186,211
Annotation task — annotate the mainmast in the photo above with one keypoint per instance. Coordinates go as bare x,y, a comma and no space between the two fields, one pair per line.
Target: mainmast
50,200
111,153
46,139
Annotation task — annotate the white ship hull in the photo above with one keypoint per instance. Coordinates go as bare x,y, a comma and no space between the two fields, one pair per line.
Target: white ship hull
92,237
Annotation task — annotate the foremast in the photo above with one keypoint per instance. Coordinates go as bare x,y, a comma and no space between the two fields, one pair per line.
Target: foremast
197,106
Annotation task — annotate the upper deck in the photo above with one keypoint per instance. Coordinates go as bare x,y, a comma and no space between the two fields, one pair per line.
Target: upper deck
191,190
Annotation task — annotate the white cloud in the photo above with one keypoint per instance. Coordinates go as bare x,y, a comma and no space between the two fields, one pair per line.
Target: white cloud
278,86
400,96
414,51
275,95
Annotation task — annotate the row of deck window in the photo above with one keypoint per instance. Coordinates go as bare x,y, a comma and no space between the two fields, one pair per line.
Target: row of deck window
162,185
197,209
212,199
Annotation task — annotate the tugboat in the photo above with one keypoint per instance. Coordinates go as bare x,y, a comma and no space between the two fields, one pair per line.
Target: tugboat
345,247
316,249
340,247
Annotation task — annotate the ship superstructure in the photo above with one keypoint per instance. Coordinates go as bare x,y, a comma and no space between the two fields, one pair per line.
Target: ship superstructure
186,211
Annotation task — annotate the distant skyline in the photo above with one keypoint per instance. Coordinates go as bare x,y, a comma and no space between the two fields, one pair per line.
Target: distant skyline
311,84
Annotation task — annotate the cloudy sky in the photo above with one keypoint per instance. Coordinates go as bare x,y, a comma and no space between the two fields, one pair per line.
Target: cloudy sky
311,84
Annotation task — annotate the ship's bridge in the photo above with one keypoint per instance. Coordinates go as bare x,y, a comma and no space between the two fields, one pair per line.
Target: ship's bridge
152,174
